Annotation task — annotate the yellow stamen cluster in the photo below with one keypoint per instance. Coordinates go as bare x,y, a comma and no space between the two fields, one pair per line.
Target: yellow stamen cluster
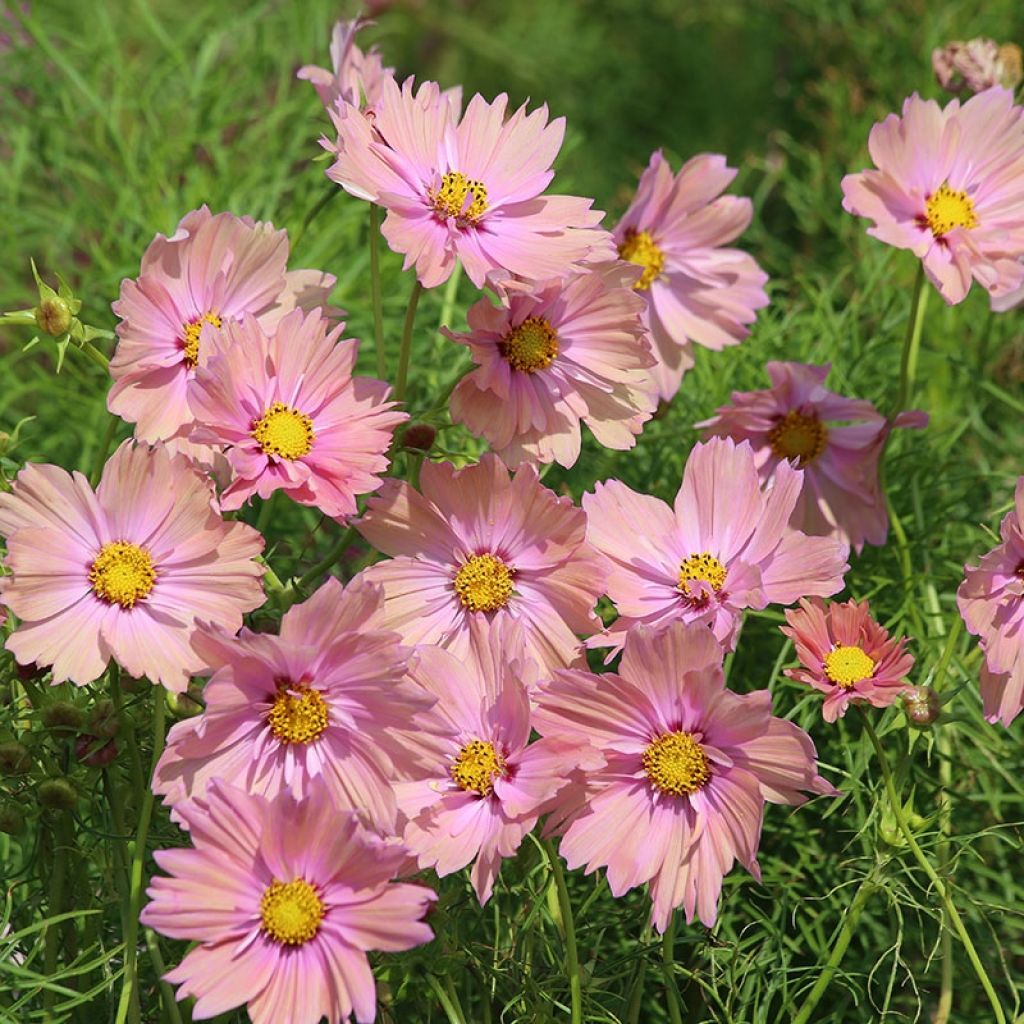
284,432
476,767
701,567
641,249
191,331
946,209
676,764
800,437
122,573
531,346
484,583
845,666
298,715
450,199
291,912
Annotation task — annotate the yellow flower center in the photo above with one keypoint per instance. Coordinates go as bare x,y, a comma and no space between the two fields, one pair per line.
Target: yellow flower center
122,573
640,248
284,432
450,200
291,912
476,767
946,209
299,714
676,764
191,332
797,436
701,567
531,346
484,583
848,665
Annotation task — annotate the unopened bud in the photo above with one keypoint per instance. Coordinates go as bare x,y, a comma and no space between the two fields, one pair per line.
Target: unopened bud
31,671
95,753
103,720
15,758
62,717
11,820
57,795
5,442
185,705
922,706
1010,65
420,436
54,316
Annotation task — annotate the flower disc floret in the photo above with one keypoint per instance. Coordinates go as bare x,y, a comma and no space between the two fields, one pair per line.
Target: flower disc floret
484,583
191,332
675,764
291,912
704,567
284,432
640,248
846,666
122,573
946,209
298,714
476,766
798,436
460,197
531,346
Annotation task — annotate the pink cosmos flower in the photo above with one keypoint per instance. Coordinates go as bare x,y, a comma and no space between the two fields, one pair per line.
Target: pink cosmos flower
697,290
976,65
790,422
991,602
290,415
213,270
948,188
284,899
726,546
488,785
570,350
846,655
689,767
468,189
123,572
479,544
356,77
326,700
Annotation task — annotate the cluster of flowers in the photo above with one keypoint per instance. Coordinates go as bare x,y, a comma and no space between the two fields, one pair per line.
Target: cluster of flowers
390,724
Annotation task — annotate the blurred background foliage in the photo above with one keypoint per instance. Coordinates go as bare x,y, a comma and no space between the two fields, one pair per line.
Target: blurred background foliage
118,116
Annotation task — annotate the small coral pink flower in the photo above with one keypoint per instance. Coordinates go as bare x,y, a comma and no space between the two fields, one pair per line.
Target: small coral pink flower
991,602
284,898
326,700
290,416
570,350
697,290
948,188
725,546
846,655
689,767
479,544
213,270
123,572
468,189
357,76
792,421
488,784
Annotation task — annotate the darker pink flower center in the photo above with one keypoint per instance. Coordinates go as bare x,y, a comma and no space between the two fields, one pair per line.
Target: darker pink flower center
291,912
676,764
798,436
476,767
460,197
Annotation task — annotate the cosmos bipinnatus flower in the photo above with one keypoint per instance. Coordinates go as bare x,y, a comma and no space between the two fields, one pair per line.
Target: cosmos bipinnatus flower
976,65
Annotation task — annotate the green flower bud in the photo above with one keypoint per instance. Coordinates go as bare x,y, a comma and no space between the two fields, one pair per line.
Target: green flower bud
922,706
53,316
62,717
15,758
57,795
419,436
103,720
11,820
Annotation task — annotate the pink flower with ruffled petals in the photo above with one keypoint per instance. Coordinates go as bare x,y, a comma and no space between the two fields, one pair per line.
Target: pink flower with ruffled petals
123,572
289,414
792,421
726,546
213,270
948,188
327,700
488,784
688,768
357,76
676,229
567,351
284,899
991,602
467,189
479,544
846,655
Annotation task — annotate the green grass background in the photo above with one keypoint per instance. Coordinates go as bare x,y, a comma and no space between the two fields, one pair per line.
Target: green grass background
118,117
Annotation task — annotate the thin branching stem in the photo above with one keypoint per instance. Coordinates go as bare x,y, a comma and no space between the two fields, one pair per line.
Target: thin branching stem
572,961
375,292
406,351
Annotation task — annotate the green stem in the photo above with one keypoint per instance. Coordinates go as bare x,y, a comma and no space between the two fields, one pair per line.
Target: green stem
96,355
636,988
313,213
451,291
129,987
572,963
375,297
56,906
329,560
842,940
406,350
266,510
101,453
668,961
933,876
452,1009
912,341
166,992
